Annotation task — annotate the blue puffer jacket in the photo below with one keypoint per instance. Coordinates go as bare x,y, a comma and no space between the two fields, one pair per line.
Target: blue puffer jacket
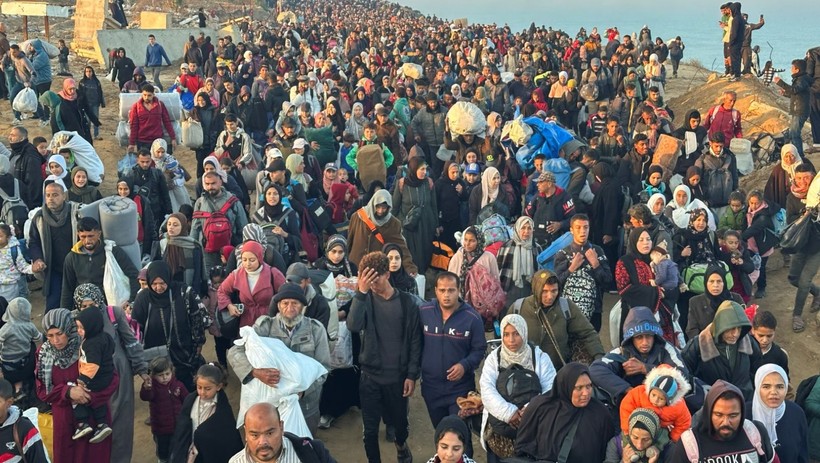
41,63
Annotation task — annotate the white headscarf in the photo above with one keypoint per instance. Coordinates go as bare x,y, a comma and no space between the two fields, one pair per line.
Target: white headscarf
789,148
487,196
654,198
58,159
762,412
523,356
522,262
680,214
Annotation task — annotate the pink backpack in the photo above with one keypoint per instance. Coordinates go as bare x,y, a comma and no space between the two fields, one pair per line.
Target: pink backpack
484,292
690,443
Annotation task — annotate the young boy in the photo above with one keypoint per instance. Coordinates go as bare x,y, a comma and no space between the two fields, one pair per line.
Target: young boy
666,274
344,150
96,374
369,138
42,147
62,58
17,338
23,442
740,264
597,122
735,216
764,326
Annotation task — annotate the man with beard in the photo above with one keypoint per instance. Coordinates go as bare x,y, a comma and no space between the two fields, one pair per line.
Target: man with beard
86,262
150,182
137,81
267,441
27,163
724,433
301,334
148,117
213,198
52,232
373,226
428,127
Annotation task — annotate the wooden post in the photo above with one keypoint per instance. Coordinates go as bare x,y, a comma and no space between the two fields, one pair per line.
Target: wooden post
47,28
25,27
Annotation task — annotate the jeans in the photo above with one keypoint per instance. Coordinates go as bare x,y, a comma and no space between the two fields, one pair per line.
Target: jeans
761,280
379,400
814,116
42,111
801,273
96,111
796,132
155,70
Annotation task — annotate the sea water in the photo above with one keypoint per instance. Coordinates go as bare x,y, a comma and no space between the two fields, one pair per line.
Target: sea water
791,28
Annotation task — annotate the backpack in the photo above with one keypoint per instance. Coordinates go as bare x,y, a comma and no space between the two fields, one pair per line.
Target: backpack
217,229
14,212
135,327
804,389
517,385
690,443
484,292
275,241
718,186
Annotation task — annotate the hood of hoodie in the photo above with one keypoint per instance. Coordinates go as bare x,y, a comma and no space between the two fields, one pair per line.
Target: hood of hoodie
667,370
641,320
138,71
92,320
716,391
729,315
80,249
538,281
18,310
13,416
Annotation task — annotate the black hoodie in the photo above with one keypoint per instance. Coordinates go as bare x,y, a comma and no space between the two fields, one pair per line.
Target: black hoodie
96,351
738,447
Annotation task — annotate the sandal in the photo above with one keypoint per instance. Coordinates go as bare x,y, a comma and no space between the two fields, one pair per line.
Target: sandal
797,324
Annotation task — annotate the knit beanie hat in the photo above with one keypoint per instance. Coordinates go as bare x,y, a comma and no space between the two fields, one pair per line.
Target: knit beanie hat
665,384
290,291
336,240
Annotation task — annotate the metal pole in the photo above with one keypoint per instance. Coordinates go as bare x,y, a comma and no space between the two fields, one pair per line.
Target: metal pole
47,29
25,27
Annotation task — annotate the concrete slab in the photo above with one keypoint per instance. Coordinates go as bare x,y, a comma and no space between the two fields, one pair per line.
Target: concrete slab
136,40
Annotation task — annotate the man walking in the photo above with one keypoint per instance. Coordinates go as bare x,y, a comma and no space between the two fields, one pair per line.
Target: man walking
216,206
387,321
154,54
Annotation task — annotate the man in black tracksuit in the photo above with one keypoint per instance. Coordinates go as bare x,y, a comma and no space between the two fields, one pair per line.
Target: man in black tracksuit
550,209
813,71
387,321
736,33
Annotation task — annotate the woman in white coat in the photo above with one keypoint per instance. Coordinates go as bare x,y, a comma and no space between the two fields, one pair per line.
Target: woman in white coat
501,417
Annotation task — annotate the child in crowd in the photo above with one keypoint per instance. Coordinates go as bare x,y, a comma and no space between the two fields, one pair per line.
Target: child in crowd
344,150
764,326
692,180
13,265
206,424
737,257
165,395
42,147
17,338
17,430
597,121
57,166
666,274
96,374
62,58
735,216
655,184
662,392
216,275
768,72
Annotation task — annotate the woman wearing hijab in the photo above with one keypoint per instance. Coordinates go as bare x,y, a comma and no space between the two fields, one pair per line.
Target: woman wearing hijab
760,239
568,411
57,166
281,224
295,164
632,277
643,443
489,198
80,191
692,179
471,253
451,194
399,278
171,315
182,253
501,416
784,420
129,360
328,180
206,113
655,74
680,207
74,112
657,205
415,205
57,369
174,173
355,125
451,440
342,198
517,260
702,307
782,176
146,230
255,281
695,244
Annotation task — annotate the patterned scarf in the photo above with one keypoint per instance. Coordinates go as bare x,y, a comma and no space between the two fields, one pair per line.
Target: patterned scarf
50,356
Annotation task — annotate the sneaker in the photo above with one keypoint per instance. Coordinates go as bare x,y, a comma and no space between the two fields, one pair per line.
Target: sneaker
403,454
325,421
100,434
390,434
760,294
17,121
83,429
733,79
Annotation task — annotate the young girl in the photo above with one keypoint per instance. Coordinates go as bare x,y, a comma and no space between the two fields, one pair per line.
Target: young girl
165,395
692,180
80,191
17,337
655,184
206,427
57,166
12,265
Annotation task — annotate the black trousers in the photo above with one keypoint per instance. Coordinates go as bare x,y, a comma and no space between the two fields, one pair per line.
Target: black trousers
814,117
83,412
379,400
735,54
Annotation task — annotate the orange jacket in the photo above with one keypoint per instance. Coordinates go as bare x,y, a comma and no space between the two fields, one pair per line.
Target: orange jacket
676,415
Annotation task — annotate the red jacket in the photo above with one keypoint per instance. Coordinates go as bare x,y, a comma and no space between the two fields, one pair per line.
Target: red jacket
256,301
147,124
192,82
164,404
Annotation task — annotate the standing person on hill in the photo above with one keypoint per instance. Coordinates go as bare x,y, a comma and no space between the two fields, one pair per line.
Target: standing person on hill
90,90
154,54
813,71
737,30
724,118
799,96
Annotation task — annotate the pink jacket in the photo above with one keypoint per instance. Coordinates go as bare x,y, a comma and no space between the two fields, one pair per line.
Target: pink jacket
256,301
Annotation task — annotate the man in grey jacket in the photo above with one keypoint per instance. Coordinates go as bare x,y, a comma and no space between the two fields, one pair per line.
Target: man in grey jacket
301,334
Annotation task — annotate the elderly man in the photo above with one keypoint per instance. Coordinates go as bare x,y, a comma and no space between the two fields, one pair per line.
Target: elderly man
267,441
52,235
372,226
301,334
218,218
724,118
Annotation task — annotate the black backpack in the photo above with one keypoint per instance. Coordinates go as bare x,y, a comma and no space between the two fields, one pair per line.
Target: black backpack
718,186
804,389
14,212
517,385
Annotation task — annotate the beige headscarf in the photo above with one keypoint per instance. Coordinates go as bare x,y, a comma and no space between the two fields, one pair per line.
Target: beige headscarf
488,196
523,356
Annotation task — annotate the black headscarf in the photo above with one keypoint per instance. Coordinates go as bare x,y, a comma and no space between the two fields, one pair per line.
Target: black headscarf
400,280
603,171
413,165
159,269
632,244
715,301
272,212
445,176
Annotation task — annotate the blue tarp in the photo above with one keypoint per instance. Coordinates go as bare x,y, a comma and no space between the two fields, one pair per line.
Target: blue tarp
547,138
545,259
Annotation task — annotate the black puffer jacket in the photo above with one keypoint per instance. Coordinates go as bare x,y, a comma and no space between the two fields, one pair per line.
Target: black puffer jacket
761,228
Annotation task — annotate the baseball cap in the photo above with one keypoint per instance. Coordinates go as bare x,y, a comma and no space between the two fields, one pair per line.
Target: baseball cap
300,143
331,166
277,165
297,272
473,169
546,176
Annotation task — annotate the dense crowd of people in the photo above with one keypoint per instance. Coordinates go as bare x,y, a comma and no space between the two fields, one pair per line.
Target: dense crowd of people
345,173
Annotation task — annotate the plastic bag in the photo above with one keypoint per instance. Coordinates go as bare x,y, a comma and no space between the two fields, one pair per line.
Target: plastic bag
124,165
51,50
466,119
123,132
44,423
25,101
84,153
192,135
115,282
297,373
342,354
412,70
518,131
